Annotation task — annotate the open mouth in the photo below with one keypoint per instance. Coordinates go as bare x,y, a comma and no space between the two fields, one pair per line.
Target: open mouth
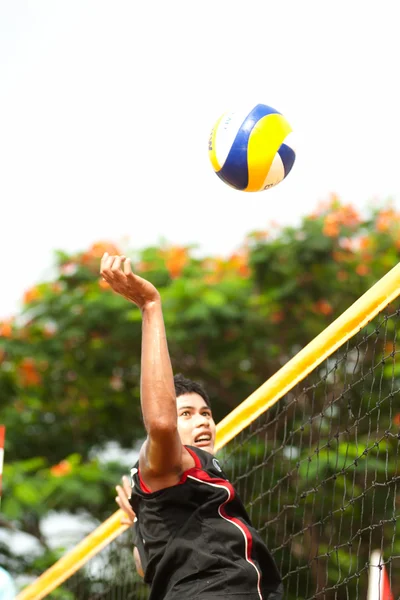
203,439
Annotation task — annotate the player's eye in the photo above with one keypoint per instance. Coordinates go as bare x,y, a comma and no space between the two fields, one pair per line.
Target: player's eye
185,413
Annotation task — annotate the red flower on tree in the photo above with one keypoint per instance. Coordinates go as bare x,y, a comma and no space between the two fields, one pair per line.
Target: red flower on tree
28,373
31,295
63,468
6,328
176,259
323,307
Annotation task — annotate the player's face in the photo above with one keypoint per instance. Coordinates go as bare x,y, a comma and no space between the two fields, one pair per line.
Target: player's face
195,423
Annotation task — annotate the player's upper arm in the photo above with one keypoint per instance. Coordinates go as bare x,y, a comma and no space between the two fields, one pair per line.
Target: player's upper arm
160,461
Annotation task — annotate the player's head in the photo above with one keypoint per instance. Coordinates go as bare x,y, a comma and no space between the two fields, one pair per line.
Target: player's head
196,425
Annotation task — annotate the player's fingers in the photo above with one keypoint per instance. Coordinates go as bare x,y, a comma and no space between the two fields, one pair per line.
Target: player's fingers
103,260
122,494
127,486
107,266
117,263
123,501
128,267
120,503
125,519
122,506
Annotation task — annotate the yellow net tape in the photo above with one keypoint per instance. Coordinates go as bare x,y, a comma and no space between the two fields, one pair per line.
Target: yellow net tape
340,331
333,337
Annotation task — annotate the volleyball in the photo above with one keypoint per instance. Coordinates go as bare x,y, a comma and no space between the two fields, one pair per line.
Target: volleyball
252,150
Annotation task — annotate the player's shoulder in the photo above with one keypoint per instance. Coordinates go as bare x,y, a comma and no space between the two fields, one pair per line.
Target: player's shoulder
203,460
208,461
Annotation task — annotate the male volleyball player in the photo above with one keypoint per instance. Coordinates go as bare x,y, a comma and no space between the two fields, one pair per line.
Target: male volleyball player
193,535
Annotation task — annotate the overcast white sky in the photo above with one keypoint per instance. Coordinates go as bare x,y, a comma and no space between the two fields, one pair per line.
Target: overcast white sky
106,108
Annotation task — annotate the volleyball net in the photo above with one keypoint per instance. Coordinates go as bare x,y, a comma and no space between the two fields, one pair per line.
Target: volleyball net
314,455
319,471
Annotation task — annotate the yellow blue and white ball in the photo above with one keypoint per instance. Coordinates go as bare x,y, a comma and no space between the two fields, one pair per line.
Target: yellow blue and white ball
252,150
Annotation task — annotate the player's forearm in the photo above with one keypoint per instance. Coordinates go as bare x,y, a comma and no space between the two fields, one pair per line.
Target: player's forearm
157,382
138,562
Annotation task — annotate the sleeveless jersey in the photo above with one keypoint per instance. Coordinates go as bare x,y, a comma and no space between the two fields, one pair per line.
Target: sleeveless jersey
196,541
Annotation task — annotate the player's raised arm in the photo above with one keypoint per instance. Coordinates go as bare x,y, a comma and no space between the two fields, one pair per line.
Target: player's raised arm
161,456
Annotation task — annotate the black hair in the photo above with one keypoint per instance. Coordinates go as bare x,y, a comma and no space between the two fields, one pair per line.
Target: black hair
187,386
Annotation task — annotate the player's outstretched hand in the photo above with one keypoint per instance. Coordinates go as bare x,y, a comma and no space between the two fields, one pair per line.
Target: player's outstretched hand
117,271
124,493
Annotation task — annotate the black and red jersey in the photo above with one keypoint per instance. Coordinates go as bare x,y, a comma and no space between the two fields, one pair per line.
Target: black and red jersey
196,541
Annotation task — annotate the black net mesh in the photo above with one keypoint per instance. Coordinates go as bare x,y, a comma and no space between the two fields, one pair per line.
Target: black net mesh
319,471
318,474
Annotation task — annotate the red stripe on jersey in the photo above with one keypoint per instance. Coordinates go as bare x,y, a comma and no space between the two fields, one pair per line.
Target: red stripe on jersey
144,487
197,462
2,435
203,477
